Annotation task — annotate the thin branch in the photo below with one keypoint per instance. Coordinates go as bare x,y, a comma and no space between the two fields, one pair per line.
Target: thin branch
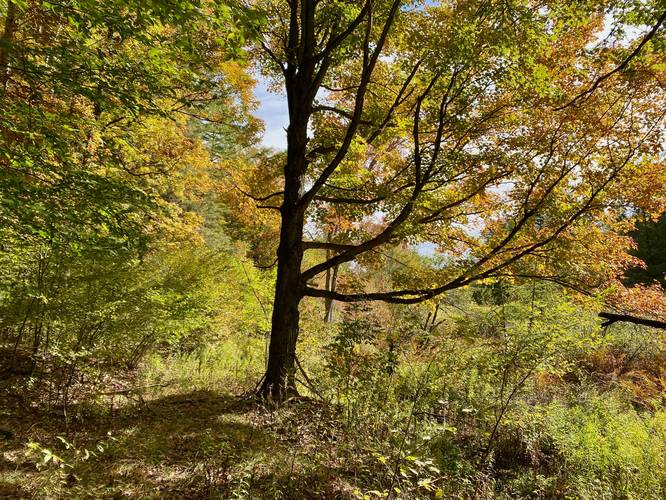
320,150
259,198
397,102
338,39
272,54
344,113
350,201
621,66
270,266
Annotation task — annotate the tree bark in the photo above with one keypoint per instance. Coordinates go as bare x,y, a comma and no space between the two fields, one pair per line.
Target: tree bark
279,381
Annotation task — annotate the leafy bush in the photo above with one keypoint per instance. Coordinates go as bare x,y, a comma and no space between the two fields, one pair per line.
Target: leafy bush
605,449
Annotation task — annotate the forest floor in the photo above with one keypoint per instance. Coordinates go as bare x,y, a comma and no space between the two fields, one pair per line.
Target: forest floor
201,444
175,430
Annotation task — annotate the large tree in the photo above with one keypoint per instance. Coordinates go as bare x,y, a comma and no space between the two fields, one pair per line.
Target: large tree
513,135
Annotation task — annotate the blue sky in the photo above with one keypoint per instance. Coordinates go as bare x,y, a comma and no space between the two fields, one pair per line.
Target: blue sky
273,111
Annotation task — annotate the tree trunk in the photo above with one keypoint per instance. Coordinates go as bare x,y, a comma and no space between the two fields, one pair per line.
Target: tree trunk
331,285
7,39
279,381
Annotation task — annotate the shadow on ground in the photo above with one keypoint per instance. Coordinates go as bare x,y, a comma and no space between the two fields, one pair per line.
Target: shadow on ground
196,445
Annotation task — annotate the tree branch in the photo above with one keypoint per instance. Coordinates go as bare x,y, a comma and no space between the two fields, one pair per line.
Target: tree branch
341,112
350,201
612,318
621,66
260,198
338,39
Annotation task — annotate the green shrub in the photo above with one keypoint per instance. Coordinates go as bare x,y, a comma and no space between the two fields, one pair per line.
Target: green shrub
608,450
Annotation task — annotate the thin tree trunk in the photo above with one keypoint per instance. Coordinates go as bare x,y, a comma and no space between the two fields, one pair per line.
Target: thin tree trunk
19,336
37,339
330,303
331,285
7,39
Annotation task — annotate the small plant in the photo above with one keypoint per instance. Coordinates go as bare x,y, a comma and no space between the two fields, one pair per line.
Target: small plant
73,454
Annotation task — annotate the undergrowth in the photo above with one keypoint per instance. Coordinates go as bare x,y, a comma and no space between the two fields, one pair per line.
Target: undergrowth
494,404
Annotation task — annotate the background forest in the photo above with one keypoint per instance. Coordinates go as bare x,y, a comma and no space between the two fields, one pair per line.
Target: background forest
465,186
